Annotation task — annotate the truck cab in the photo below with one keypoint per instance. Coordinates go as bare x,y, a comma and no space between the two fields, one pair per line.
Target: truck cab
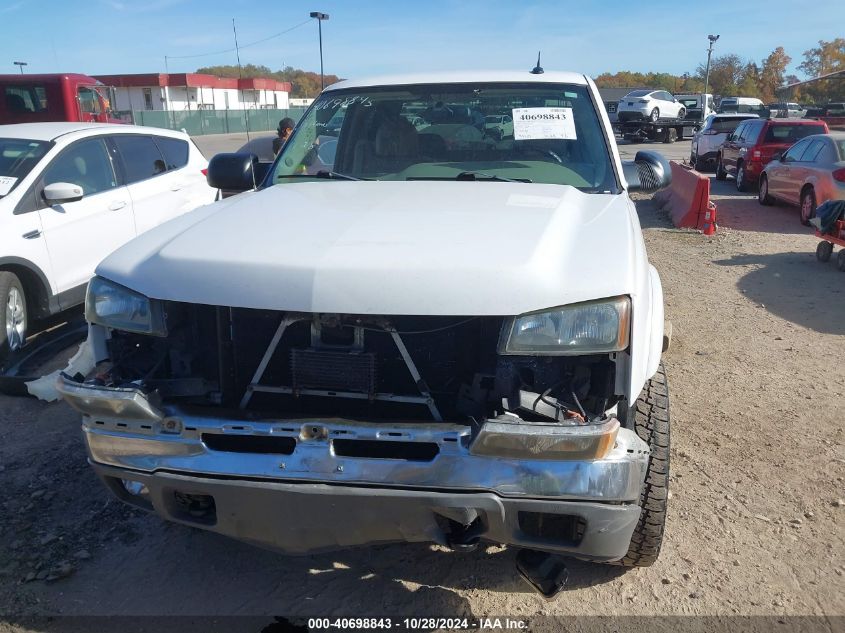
56,97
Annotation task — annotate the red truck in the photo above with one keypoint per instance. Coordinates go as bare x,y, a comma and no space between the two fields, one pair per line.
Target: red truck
56,97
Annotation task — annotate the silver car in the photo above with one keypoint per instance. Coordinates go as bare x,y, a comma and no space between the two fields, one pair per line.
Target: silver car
706,142
809,173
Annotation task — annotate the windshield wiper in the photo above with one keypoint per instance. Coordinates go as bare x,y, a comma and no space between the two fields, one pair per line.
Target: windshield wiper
328,175
477,175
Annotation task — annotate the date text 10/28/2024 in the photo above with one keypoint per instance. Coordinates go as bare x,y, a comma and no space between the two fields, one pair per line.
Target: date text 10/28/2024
458,624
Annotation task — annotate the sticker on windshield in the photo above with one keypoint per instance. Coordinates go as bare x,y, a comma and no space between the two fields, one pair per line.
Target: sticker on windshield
543,123
6,184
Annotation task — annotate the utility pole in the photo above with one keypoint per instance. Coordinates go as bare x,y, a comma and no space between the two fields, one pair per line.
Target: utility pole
320,17
712,39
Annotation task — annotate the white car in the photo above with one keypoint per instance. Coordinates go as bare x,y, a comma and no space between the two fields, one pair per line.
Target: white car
499,125
649,105
421,341
70,194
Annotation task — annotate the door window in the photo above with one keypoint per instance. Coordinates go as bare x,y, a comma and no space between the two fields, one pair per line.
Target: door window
141,158
740,131
794,152
752,131
175,151
812,152
89,102
86,164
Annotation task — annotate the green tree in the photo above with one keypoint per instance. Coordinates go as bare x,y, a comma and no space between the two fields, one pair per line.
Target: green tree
750,85
726,74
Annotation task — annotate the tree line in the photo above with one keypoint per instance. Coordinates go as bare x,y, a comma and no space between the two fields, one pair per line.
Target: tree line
304,83
730,74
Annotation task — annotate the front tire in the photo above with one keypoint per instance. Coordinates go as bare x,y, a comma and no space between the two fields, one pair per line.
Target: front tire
655,114
651,422
13,314
682,113
824,250
808,206
763,196
741,180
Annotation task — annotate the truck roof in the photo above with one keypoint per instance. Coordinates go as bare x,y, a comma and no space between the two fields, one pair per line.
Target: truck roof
493,76
24,79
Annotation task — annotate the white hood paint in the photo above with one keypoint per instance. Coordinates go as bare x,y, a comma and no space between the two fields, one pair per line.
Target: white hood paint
425,248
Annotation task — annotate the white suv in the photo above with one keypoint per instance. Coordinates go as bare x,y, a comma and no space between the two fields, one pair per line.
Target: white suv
649,105
70,194
434,336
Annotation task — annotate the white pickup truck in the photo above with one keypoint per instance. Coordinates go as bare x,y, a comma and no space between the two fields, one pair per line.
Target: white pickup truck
398,334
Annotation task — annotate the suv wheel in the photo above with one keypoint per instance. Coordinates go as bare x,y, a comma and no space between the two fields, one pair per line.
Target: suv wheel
808,205
763,196
650,415
13,313
721,174
741,181
682,113
655,114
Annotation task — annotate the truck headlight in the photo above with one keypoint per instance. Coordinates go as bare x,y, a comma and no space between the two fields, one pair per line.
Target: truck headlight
115,306
592,327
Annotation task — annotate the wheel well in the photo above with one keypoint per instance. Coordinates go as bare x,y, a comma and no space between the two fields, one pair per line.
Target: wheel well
37,297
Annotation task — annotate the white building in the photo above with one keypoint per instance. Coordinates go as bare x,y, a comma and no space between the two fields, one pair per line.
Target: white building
192,91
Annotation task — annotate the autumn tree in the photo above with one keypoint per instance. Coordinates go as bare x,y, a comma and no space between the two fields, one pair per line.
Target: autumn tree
772,74
828,57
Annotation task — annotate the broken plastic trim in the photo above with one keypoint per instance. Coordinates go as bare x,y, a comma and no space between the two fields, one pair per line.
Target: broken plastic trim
114,402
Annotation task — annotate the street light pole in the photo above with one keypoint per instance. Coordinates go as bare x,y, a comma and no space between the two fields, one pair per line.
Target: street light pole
21,65
320,17
712,39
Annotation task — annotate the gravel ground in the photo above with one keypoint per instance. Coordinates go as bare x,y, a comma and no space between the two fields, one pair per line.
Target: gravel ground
756,523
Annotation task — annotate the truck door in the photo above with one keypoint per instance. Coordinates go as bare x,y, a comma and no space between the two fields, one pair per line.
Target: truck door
80,234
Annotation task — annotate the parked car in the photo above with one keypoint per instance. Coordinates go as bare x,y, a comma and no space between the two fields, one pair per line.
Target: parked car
424,341
649,105
808,174
57,97
698,105
707,141
71,193
751,146
742,105
786,110
499,125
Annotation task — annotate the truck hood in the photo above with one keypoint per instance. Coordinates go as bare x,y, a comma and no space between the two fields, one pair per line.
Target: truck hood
424,248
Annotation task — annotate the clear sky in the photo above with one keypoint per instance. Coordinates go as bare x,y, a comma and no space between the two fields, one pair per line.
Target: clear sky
378,36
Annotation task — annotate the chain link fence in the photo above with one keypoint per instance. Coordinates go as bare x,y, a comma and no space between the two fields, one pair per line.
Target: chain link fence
198,122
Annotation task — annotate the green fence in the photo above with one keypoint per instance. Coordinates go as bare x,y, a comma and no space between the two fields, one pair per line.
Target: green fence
197,122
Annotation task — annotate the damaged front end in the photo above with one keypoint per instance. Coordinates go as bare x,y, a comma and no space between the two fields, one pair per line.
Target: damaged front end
309,432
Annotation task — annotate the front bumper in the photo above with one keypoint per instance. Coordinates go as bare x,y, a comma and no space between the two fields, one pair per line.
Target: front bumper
287,484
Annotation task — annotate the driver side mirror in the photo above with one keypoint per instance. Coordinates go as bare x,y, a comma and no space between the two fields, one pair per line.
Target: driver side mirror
649,171
62,192
234,172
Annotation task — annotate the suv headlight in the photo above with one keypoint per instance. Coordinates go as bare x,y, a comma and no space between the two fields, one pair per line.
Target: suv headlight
115,306
592,327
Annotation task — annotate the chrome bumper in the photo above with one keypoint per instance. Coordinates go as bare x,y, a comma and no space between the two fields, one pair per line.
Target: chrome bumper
167,450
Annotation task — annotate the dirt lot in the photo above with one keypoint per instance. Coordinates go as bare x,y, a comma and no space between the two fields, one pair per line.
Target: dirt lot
756,523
